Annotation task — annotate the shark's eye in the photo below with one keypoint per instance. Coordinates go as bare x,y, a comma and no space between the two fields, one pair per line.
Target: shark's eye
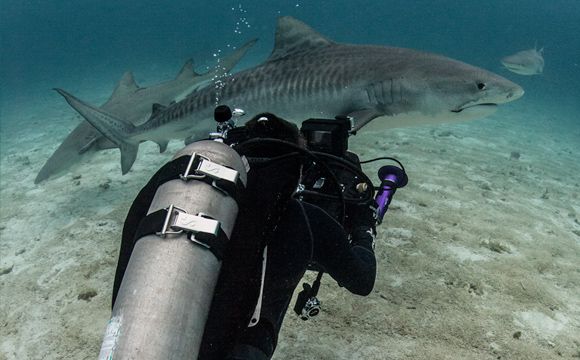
481,86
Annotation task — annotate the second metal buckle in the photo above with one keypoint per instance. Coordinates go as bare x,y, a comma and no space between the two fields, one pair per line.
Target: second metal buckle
179,220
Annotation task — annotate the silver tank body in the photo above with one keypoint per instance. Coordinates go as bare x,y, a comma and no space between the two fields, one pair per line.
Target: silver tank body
164,299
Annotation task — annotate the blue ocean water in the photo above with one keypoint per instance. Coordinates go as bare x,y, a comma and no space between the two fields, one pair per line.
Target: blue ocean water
80,45
85,46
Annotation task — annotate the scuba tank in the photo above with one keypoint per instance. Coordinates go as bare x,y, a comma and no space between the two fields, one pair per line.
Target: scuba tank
176,232
175,248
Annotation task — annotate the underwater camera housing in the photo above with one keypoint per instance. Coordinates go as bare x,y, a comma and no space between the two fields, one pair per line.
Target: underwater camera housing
327,135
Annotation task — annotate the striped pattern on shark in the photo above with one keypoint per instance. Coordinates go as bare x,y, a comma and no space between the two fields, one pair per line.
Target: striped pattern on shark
308,75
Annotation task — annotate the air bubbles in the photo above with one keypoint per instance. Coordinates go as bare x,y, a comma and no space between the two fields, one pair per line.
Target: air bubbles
219,84
220,78
242,21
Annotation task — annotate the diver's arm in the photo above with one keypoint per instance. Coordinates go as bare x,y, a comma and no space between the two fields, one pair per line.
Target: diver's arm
363,239
352,265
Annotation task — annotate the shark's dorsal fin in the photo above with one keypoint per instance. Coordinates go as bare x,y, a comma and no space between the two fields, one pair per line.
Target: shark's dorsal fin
187,71
126,85
293,36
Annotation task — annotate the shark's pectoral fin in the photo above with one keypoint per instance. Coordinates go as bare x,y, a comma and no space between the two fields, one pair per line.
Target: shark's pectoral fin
363,117
162,145
128,156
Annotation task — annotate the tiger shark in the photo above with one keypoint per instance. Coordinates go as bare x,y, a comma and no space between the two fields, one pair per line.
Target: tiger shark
133,103
525,62
308,75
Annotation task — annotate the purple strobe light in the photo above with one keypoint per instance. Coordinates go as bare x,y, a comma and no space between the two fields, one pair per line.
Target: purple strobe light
392,178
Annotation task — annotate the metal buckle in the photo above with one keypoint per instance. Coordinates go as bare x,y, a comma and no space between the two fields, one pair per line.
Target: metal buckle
186,175
179,220
206,167
217,171
171,210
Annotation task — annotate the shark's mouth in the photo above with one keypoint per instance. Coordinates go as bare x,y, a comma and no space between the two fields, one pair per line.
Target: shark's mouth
461,108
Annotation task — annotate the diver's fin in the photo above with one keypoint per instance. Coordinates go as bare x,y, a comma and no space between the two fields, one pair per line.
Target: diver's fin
117,131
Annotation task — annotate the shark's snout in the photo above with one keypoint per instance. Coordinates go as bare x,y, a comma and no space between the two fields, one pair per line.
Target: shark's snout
506,91
516,93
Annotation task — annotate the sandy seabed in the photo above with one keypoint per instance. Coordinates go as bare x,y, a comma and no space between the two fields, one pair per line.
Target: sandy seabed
478,257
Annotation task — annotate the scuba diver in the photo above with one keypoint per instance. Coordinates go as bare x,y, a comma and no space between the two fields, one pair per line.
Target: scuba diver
305,205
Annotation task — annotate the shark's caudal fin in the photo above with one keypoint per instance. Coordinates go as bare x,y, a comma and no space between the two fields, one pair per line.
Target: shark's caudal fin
117,131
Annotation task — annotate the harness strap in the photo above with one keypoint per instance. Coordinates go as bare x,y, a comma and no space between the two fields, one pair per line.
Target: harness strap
201,168
202,229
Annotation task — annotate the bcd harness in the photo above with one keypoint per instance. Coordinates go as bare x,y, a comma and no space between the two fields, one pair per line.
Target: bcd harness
202,228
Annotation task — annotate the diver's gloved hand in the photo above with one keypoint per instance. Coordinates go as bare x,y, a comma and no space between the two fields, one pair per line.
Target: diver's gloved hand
363,224
363,214
364,237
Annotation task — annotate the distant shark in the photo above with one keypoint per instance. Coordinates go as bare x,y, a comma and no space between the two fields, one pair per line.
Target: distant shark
308,75
526,62
134,104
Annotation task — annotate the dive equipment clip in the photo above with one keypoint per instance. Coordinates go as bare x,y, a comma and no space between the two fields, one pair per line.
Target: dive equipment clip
201,228
179,219
222,178
206,167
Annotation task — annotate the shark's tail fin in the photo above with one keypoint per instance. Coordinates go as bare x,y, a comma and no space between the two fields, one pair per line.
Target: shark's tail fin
116,130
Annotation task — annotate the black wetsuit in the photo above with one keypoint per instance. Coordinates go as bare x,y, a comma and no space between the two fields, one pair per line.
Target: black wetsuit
305,234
